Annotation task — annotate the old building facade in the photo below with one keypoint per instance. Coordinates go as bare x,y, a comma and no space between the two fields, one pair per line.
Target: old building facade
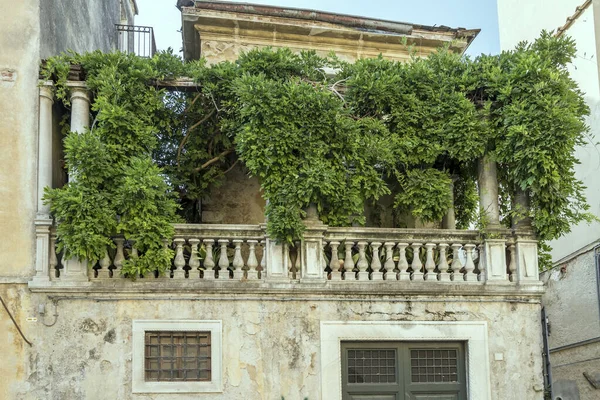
282,323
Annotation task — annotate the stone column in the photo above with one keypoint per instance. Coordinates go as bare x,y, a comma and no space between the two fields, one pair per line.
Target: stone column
76,270
449,220
44,148
80,107
521,205
488,190
43,222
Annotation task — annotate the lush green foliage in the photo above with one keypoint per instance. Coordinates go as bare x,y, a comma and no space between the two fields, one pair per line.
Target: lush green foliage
115,187
340,141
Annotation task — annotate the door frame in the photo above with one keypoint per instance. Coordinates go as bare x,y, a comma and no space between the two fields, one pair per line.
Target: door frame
473,333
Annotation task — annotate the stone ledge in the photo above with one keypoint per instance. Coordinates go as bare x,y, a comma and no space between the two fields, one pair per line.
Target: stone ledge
325,288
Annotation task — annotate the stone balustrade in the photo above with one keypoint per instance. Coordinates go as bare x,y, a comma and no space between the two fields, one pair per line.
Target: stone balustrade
368,254
330,256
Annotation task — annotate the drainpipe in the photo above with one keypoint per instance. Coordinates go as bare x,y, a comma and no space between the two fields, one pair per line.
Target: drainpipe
546,356
596,252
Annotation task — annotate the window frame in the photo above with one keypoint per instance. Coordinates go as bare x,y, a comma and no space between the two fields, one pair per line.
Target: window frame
139,383
473,333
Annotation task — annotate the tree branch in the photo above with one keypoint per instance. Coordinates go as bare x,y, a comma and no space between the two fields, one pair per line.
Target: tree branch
187,134
232,165
213,160
193,102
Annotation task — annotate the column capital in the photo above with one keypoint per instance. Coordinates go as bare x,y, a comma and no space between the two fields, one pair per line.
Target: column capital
79,90
47,90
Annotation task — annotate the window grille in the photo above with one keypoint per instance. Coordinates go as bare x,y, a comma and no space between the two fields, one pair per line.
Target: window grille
177,356
434,365
372,366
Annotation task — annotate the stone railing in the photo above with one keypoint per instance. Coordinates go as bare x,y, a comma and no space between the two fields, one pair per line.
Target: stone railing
332,256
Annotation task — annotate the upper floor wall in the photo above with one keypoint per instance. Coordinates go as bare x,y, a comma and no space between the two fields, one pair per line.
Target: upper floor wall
82,25
219,31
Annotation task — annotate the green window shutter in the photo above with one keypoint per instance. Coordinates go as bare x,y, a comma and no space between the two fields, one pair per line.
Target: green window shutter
403,371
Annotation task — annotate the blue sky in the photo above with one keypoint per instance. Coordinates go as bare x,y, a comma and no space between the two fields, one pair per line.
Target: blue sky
470,14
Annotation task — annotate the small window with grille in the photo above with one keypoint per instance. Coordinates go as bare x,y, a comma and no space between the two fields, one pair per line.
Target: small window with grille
176,356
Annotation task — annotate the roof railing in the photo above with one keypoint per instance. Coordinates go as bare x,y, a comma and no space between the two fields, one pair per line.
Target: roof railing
138,40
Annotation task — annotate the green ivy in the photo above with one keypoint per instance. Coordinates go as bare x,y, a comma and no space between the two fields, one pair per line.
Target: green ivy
375,127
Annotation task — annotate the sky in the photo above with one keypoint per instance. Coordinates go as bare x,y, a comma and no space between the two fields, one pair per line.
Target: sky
165,18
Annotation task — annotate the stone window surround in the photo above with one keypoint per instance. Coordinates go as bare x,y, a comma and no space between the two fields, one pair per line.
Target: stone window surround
473,334
139,384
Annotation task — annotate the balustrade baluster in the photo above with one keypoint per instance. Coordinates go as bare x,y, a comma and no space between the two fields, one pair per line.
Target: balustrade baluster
481,271
416,264
194,259
403,274
238,261
334,263
263,260
53,261
376,274
209,262
429,262
252,260
389,266
456,263
512,266
443,266
469,264
297,266
349,274
223,260
104,272
179,271
119,258
288,261
362,263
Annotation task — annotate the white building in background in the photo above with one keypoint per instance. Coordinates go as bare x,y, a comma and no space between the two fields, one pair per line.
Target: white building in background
573,285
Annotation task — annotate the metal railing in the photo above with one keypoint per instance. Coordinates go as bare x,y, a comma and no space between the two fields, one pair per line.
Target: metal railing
138,40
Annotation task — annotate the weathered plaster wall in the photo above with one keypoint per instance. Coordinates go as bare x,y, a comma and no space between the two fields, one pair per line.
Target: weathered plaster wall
270,344
14,352
237,201
571,300
78,25
19,44
568,368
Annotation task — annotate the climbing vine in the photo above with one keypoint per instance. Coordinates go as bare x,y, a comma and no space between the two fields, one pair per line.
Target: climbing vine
338,140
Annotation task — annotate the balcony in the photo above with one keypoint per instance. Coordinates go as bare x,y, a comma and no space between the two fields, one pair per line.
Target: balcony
138,40
242,258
